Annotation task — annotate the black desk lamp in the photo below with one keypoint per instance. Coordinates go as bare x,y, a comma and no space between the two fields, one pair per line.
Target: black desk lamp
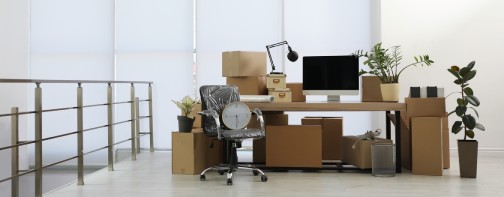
292,55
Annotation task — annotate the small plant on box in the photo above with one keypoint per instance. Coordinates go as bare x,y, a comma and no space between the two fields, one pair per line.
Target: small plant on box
467,98
186,121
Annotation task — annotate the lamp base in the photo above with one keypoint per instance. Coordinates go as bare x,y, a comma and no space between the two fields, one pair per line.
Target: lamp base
276,72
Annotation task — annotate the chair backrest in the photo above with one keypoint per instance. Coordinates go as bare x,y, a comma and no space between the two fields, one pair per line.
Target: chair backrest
216,97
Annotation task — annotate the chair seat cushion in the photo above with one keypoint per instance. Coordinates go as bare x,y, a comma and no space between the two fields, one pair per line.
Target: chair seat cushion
242,133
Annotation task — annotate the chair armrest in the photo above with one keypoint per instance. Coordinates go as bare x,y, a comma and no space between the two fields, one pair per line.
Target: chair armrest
260,118
215,115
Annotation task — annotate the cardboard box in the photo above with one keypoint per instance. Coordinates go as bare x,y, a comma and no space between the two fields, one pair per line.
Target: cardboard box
243,64
332,131
194,112
405,141
361,155
371,90
297,92
425,107
294,146
191,152
427,146
281,95
259,145
274,81
249,85
446,142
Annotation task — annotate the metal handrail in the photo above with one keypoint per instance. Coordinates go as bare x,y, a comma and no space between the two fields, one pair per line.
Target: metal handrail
38,112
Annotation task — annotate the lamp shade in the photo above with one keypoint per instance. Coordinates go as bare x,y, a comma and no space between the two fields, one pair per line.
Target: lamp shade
292,55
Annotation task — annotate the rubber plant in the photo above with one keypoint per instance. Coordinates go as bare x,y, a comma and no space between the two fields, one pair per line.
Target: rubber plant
467,100
384,63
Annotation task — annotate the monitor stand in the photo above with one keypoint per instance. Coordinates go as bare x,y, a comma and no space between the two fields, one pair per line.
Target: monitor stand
333,98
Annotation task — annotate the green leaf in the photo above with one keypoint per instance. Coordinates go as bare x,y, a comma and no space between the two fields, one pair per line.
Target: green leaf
461,102
469,121
468,91
470,133
471,65
456,127
480,127
469,75
464,71
460,110
473,100
476,112
454,73
416,59
459,81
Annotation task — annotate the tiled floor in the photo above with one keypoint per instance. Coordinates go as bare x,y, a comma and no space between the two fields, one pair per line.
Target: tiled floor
151,176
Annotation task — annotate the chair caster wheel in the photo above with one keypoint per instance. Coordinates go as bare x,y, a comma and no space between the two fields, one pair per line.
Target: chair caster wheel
202,177
229,181
221,172
255,172
264,178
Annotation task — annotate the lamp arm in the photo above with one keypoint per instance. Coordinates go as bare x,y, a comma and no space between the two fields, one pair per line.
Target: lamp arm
269,54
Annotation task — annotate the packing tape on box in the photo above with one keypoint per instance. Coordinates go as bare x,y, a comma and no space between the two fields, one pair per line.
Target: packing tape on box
257,98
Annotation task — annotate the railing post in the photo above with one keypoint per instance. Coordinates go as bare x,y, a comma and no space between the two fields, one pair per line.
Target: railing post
132,99
110,111
137,123
151,136
80,137
38,141
15,152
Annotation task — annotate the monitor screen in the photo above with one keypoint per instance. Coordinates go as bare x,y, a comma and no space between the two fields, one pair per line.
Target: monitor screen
331,75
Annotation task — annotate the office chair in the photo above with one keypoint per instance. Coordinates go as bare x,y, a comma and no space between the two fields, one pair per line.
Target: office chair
214,99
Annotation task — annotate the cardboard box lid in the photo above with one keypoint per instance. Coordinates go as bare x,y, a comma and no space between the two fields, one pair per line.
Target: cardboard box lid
425,107
276,75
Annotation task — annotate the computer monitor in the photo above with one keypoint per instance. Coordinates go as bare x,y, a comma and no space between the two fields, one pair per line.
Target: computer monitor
331,75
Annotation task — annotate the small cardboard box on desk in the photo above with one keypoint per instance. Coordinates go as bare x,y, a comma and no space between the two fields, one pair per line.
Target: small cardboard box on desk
360,156
191,152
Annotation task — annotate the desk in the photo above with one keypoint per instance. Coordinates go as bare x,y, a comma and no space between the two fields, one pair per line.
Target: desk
346,106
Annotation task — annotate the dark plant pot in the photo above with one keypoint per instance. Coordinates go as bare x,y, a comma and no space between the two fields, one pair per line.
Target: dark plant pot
185,124
468,158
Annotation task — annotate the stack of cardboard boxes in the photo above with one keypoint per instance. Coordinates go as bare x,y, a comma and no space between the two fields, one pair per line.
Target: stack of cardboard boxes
425,136
278,88
246,70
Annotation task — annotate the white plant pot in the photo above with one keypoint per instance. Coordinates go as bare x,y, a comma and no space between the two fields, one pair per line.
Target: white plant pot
390,91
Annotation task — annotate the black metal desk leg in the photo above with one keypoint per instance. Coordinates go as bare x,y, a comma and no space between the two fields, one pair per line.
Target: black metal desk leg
398,141
387,125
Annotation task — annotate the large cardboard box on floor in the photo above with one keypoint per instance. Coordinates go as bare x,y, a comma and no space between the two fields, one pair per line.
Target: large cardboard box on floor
249,85
332,131
259,145
243,64
446,143
425,107
191,152
296,92
294,146
194,113
427,146
371,90
360,156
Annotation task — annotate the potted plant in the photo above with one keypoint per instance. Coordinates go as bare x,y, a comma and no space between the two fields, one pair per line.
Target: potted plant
186,120
468,149
384,63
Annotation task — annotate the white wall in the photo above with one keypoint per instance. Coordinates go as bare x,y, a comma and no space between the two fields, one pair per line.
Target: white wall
14,61
452,32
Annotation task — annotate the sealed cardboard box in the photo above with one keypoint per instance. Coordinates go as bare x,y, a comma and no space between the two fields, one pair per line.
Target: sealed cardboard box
194,113
297,92
427,146
243,64
191,152
332,131
249,85
371,90
281,95
446,143
360,156
274,81
294,146
425,107
259,145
